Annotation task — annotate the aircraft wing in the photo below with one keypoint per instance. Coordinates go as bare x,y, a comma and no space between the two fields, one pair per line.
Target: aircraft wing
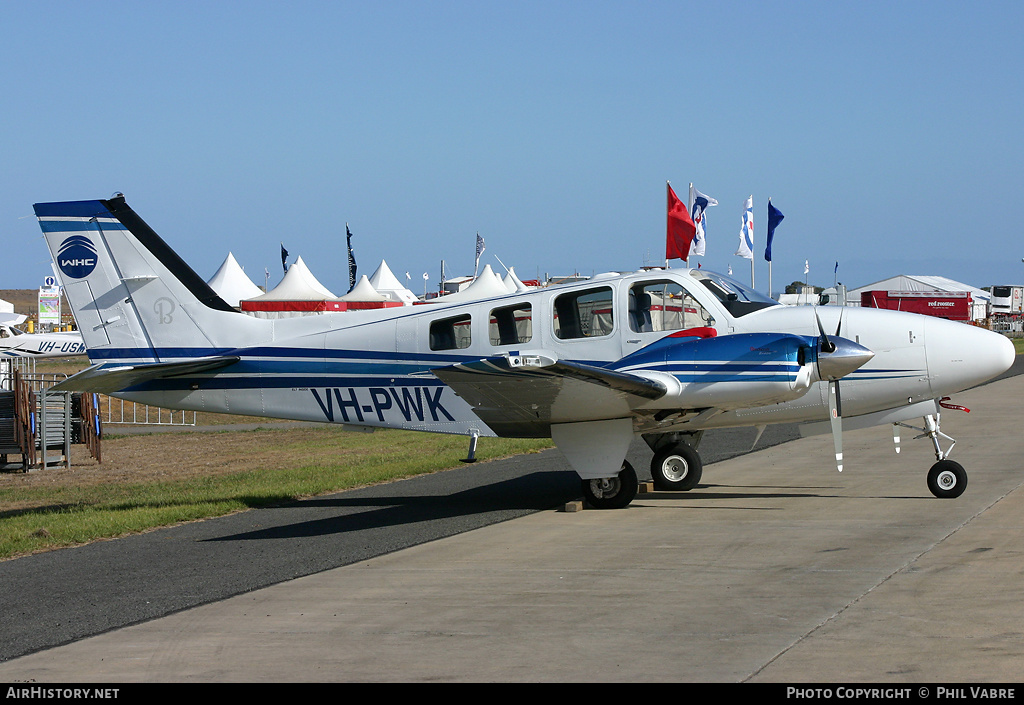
522,395
107,380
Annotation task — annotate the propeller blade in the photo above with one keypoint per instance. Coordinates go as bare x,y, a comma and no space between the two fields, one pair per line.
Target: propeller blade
826,344
835,412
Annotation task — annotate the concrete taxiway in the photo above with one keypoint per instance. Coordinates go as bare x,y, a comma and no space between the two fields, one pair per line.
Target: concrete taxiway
776,569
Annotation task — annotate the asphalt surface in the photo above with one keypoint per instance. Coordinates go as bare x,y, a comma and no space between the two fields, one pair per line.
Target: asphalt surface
775,569
60,596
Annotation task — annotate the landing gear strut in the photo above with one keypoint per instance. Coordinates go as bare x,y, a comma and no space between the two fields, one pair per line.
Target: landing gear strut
946,478
612,492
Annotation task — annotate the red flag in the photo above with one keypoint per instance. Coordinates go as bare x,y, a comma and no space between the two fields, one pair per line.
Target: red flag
681,229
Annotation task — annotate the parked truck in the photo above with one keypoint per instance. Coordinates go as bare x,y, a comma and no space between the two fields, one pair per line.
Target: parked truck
1007,300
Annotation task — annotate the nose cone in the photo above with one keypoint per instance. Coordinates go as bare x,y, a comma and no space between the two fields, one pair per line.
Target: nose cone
962,356
844,359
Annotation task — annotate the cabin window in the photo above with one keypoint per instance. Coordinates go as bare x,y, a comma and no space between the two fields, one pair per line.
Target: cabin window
664,305
511,325
450,333
584,314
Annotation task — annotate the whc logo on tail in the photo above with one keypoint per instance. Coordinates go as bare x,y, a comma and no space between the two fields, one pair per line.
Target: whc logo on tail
76,256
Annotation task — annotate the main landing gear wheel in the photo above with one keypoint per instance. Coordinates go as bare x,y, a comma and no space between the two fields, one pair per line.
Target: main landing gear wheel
676,468
612,492
947,479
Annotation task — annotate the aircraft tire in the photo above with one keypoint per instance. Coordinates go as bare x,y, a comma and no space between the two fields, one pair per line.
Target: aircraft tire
612,493
676,469
947,479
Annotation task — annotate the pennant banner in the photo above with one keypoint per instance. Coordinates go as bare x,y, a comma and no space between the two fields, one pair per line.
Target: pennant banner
746,247
479,251
774,218
698,204
351,260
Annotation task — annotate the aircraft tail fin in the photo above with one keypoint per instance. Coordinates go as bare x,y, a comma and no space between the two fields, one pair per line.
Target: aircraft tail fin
134,299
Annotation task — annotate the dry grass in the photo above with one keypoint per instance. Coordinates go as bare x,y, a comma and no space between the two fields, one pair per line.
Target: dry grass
169,456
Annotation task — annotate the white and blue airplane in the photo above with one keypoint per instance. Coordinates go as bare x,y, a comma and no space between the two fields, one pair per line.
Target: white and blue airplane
15,342
663,354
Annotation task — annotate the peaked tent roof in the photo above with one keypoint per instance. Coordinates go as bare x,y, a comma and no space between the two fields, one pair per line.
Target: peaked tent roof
298,284
385,282
363,291
513,283
487,285
231,283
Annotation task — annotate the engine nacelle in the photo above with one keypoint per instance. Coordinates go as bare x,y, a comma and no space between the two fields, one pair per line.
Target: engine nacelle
726,372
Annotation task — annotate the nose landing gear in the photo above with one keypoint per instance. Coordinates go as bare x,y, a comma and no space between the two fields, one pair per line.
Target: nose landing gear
946,478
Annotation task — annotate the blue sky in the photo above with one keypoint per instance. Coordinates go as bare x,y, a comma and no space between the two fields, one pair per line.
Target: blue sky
888,133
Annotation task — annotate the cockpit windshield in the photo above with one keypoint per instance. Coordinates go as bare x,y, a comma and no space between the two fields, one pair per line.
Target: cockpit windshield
738,299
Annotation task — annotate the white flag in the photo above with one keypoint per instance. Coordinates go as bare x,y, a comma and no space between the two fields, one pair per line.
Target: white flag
746,248
807,266
698,204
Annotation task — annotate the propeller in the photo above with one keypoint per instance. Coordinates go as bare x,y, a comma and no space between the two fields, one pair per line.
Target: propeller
837,357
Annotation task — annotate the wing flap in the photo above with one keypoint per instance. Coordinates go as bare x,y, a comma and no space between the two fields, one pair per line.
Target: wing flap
522,395
107,380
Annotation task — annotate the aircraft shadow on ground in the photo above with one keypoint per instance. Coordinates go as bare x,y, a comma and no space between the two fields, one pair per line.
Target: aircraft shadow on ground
353,511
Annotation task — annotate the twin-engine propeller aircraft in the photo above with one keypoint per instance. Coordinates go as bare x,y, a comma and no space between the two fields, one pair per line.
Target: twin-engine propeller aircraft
666,354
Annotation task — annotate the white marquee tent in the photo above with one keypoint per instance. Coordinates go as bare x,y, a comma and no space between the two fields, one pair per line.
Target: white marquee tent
298,294
231,283
386,283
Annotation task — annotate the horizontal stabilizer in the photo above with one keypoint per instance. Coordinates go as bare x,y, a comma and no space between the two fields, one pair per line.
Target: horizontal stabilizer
107,380
521,395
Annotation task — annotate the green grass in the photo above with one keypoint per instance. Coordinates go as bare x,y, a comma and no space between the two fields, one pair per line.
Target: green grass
1018,345
336,460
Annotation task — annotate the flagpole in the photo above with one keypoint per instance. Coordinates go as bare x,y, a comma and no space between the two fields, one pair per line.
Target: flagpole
689,209
668,196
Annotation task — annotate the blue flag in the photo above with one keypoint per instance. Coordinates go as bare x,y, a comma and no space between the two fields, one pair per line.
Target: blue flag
774,218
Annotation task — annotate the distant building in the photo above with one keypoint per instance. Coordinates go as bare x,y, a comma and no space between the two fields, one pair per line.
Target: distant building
907,282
